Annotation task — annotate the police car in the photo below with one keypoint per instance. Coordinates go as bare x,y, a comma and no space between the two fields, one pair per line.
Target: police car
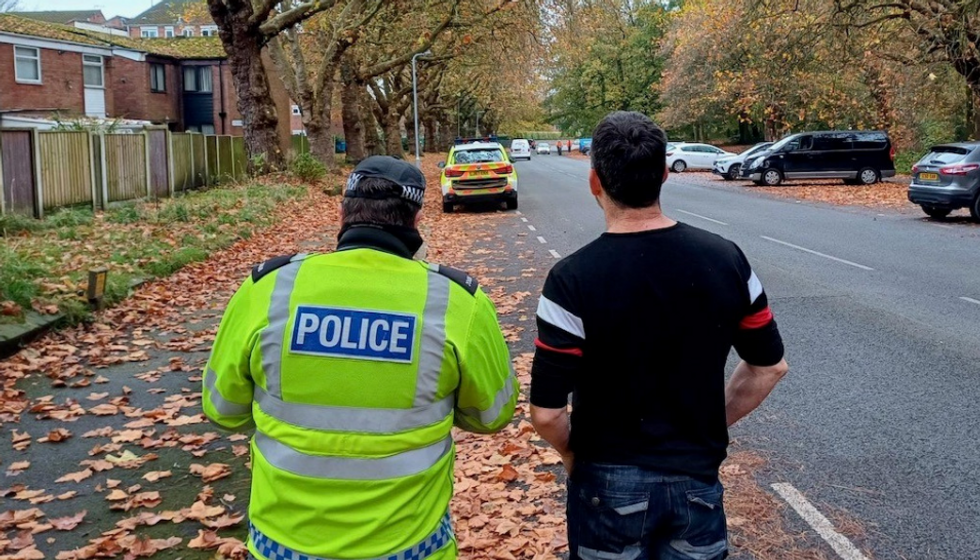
478,171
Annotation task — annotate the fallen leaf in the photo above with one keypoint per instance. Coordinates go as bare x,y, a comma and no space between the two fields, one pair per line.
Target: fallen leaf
117,495
154,476
68,523
212,472
508,474
76,476
17,467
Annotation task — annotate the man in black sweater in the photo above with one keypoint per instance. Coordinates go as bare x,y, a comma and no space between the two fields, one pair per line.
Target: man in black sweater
637,326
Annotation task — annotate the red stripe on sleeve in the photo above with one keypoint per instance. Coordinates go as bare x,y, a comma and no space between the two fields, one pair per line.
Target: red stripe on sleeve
570,351
756,320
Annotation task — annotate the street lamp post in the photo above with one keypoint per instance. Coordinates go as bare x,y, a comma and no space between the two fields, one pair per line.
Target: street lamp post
415,97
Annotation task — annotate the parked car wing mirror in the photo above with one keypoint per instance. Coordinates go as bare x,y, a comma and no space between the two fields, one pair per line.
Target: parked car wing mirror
441,165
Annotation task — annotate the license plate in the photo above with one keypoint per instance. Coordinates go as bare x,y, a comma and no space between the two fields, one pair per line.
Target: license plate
479,173
929,176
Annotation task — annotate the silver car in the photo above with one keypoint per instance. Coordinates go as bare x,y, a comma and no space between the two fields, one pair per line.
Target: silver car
948,178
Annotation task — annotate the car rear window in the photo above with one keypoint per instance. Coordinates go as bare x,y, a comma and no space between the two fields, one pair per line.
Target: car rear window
478,156
946,154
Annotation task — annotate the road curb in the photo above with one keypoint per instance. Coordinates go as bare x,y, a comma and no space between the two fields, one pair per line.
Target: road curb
34,325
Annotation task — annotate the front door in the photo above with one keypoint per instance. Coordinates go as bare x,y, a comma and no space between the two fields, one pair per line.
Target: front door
93,73
798,157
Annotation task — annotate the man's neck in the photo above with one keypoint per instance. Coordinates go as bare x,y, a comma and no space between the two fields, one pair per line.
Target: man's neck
632,220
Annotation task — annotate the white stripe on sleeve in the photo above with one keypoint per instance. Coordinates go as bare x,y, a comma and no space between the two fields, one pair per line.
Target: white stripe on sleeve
755,288
552,313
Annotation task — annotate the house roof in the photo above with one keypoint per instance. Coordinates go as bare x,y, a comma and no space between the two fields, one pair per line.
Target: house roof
60,16
34,28
170,11
183,48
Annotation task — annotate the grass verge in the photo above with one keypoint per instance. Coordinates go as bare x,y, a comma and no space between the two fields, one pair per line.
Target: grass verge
44,264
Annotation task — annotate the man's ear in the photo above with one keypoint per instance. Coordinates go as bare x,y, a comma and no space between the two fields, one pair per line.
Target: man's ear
340,212
666,173
595,186
418,219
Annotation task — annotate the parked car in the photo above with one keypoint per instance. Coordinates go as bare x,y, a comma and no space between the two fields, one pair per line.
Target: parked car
858,157
544,148
948,178
520,149
478,172
686,155
584,145
730,167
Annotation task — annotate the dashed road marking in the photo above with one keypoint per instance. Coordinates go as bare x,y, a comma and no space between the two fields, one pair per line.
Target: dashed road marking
532,228
971,300
524,220
518,212
541,239
817,253
843,547
702,217
554,253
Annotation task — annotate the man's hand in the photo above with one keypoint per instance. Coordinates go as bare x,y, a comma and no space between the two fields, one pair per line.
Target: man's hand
569,462
749,386
553,425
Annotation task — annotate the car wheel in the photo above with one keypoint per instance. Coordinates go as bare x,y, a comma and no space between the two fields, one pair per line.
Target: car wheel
512,204
868,176
679,166
975,209
447,207
772,177
936,212
733,172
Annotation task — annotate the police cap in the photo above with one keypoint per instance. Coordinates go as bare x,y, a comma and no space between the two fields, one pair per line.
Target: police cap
410,181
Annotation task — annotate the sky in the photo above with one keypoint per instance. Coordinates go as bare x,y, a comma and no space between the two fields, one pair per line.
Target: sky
127,8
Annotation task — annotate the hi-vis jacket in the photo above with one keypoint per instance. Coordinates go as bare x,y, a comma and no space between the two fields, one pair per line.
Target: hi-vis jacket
353,367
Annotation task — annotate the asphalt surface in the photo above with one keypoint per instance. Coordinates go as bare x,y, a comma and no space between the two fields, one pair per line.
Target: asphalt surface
877,422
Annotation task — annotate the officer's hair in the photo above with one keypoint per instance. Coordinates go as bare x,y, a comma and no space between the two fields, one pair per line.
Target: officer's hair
387,212
629,156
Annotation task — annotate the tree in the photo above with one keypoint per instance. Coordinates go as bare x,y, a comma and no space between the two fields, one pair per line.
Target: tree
9,5
245,29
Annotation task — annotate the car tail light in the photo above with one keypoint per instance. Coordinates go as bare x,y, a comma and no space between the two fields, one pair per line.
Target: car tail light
915,169
891,153
453,172
505,170
670,154
960,169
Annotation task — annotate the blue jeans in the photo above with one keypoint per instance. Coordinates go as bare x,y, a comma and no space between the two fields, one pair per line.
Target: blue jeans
620,512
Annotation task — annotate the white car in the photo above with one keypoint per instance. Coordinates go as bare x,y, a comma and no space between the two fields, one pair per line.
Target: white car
544,148
520,149
730,167
686,155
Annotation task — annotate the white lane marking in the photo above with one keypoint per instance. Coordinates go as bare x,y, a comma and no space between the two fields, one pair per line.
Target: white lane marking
518,212
817,253
541,239
532,228
843,547
702,217
971,300
554,253
524,220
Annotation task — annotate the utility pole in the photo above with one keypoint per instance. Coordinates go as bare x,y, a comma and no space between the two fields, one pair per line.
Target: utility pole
415,98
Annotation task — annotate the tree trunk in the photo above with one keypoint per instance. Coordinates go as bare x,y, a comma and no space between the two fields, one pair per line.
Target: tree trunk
973,113
373,143
321,141
350,98
429,136
255,103
393,135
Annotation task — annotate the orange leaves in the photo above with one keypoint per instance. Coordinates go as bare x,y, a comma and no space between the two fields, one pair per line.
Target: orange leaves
17,467
508,474
75,476
55,436
154,476
212,472
68,523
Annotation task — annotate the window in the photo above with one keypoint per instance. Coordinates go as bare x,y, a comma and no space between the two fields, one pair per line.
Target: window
483,155
841,141
197,79
188,32
92,73
207,129
168,32
209,30
158,78
149,32
27,66
296,111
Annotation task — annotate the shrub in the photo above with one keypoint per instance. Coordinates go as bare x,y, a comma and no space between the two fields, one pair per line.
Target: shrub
307,168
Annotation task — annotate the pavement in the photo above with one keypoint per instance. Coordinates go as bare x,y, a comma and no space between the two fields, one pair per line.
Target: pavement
875,427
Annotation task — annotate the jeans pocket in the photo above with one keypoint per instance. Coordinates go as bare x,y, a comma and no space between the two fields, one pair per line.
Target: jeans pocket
706,517
607,524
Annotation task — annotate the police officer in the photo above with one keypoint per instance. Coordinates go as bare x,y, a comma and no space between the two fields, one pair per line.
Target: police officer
353,367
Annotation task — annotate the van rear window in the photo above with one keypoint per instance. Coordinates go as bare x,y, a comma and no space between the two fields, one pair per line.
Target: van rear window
946,154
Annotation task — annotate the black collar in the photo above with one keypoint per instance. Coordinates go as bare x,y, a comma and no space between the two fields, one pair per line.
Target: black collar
367,237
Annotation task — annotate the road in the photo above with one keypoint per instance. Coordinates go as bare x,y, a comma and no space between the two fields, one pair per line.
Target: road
877,421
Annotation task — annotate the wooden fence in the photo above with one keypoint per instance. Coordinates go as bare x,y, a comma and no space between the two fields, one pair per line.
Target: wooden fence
42,170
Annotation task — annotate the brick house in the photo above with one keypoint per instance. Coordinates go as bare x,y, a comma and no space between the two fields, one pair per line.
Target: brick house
183,83
90,20
173,18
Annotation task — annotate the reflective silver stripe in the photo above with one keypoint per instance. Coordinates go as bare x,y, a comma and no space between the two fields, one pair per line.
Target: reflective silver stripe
433,338
283,457
222,405
500,400
352,419
271,339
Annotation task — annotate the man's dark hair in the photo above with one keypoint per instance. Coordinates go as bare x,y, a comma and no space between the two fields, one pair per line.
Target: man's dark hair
392,211
629,156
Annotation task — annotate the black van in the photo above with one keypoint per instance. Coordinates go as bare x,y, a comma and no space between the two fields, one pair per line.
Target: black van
857,157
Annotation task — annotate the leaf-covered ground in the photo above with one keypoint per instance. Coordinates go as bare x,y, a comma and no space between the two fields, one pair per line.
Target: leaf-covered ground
105,452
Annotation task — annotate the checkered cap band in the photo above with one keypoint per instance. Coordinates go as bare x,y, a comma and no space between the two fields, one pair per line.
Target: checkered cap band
438,539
